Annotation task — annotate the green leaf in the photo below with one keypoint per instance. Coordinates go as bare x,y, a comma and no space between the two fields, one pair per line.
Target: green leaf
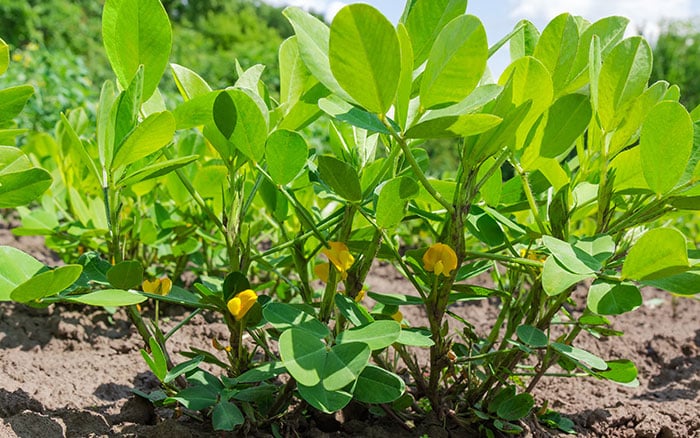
46,284
343,364
456,62
313,41
137,32
354,312
151,135
557,48
516,407
21,188
605,298
659,253
570,257
666,143
183,368
484,227
532,336
377,385
127,274
303,354
364,56
156,170
8,136
284,316
348,113
196,111
425,19
226,416
567,120
405,84
341,177
377,334
249,137
581,357
16,267
286,153
415,337
263,372
323,400
309,361
393,199
156,360
627,166
73,142
4,56
293,73
197,397
523,43
530,81
395,299
225,114
180,296
621,371
109,298
188,82
453,126
686,283
106,122
600,247
609,31
12,100
125,112
623,77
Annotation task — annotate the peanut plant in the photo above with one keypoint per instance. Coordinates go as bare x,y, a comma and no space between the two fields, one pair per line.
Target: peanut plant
570,166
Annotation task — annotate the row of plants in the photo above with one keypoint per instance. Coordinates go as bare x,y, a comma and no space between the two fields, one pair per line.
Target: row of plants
54,41
568,169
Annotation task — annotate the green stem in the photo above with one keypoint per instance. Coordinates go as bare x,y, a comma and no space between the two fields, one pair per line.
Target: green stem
397,257
531,199
504,258
328,300
416,168
304,215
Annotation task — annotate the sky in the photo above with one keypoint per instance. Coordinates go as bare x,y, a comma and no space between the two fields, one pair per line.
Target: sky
500,16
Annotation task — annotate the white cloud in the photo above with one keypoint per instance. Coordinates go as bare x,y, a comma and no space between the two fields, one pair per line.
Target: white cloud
333,9
645,15
327,8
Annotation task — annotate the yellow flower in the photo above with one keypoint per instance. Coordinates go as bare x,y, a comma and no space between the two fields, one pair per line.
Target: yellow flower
340,256
241,303
159,286
360,295
398,316
440,259
322,270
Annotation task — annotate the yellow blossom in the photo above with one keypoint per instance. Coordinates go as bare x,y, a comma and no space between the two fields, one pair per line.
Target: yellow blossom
360,295
440,259
322,270
159,286
241,303
340,256
398,316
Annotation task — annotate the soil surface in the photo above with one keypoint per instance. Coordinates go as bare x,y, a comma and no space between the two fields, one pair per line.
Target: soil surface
69,371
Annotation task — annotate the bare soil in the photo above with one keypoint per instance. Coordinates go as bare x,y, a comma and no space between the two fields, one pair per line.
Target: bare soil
69,371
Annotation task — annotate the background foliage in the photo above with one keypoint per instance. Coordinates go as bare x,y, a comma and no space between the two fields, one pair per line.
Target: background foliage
59,44
677,59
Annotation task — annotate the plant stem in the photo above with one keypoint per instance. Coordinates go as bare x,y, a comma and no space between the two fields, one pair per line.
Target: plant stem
531,198
416,168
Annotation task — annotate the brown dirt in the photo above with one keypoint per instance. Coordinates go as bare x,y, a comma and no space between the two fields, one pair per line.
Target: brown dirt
68,371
